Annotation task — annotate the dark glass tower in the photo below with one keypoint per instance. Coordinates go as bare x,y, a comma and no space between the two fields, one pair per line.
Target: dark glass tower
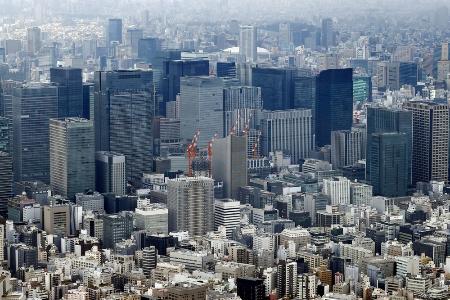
277,89
334,103
33,106
388,166
385,120
226,69
70,91
174,70
123,106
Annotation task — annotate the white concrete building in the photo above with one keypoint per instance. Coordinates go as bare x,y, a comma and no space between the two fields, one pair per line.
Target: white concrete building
153,218
338,189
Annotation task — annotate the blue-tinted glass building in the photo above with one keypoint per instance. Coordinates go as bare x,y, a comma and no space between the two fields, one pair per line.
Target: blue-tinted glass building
70,91
226,69
389,164
172,73
277,88
385,120
334,103
124,105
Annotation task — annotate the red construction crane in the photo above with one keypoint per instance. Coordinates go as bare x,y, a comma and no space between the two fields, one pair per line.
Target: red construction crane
192,152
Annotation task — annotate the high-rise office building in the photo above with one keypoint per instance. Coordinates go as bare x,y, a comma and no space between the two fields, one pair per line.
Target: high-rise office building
2,55
328,36
21,256
385,120
148,49
226,69
34,42
133,36
334,103
248,43
338,189
430,140
6,182
289,131
347,147
124,106
152,218
70,91
110,175
201,108
190,201
72,156
56,219
5,135
114,31
91,201
362,88
393,75
175,69
227,213
250,288
117,227
229,163
304,90
241,105
277,92
158,61
388,157
39,103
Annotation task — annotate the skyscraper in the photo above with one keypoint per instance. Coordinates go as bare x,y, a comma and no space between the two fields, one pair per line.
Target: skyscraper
190,201
6,182
430,140
114,31
388,156
117,227
347,147
148,49
174,70
248,43
201,108
72,156
334,103
338,189
241,105
229,163
226,69
289,131
70,91
5,135
34,42
385,120
227,213
328,38
39,103
56,219
110,172
124,107
133,36
277,92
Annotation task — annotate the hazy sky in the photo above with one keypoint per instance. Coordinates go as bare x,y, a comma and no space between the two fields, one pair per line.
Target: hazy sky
210,10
